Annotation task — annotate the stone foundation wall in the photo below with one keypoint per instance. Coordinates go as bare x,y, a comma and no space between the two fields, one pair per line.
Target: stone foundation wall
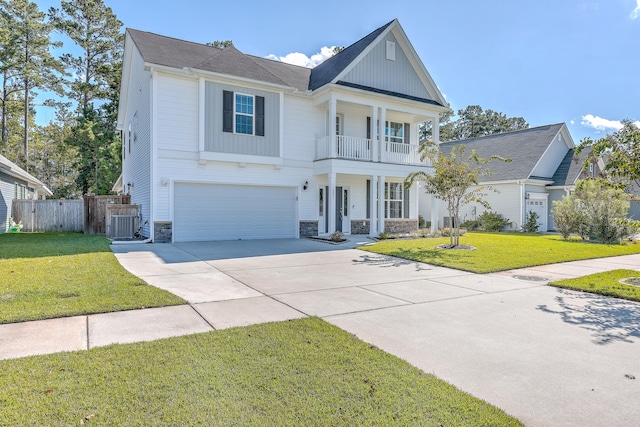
308,228
400,225
360,226
162,232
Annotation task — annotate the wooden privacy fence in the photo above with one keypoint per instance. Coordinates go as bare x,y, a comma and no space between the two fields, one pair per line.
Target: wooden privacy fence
49,215
95,211
122,221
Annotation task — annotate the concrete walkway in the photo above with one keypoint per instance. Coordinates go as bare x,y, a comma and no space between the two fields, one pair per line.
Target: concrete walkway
545,355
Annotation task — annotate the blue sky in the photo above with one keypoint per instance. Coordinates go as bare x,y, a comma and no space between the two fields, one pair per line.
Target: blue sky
548,61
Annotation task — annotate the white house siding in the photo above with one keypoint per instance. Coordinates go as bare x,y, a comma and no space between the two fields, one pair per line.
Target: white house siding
304,123
136,165
551,159
397,76
177,102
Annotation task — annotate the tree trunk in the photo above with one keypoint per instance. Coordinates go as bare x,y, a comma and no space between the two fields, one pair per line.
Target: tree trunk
4,110
26,124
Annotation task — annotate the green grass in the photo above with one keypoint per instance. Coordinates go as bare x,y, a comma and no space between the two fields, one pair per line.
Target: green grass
46,275
499,251
297,373
607,283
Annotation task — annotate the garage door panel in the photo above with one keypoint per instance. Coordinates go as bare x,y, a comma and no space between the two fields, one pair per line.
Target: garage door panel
229,212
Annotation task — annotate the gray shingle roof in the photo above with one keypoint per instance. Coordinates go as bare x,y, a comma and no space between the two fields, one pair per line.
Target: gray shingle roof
175,53
523,147
570,168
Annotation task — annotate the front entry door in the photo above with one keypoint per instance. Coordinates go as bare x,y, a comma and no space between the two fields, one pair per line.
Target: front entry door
339,210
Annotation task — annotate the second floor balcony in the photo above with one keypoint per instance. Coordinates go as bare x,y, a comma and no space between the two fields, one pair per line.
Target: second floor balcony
365,149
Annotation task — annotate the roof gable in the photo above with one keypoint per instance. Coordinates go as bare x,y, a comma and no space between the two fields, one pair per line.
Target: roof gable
523,147
405,76
11,169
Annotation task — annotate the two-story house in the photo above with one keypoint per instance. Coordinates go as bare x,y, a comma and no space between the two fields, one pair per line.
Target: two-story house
218,144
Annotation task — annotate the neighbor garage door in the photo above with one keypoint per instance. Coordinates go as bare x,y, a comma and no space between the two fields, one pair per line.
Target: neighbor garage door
230,212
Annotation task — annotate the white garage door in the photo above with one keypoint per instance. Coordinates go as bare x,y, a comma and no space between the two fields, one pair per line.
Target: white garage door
231,212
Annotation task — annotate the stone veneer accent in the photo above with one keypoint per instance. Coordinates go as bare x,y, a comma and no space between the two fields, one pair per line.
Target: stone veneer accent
308,228
394,226
162,232
360,226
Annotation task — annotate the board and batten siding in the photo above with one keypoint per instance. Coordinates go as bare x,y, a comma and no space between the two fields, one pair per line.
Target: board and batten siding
217,141
136,165
507,203
374,70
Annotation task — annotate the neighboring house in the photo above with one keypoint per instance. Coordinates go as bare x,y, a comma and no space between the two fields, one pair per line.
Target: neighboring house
544,167
16,183
218,144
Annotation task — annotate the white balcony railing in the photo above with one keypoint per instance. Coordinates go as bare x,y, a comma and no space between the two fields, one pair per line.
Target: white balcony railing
353,148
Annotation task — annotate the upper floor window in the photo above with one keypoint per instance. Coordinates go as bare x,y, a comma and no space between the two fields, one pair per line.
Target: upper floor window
242,114
395,132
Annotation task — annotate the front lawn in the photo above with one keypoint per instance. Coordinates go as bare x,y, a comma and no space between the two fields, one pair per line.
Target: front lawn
607,283
499,251
298,373
46,275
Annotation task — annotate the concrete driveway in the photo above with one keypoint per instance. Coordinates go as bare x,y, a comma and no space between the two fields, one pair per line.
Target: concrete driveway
547,356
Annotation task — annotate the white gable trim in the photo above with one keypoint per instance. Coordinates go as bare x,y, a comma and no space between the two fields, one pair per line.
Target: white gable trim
413,57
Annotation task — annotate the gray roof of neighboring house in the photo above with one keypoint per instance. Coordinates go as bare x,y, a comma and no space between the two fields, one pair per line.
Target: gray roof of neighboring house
523,147
571,167
176,53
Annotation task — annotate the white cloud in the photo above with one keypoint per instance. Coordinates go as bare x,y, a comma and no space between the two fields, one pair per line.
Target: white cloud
297,58
636,12
601,125
573,122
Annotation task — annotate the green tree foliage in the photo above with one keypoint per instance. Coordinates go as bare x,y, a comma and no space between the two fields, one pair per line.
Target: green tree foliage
531,225
453,178
99,163
94,28
621,151
29,57
220,44
594,211
474,121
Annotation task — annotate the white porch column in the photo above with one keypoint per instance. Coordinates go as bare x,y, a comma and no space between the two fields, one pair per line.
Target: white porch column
434,213
331,201
382,132
332,128
381,198
373,206
374,134
436,129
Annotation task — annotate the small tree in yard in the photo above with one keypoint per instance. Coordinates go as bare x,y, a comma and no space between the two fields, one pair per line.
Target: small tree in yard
452,178
596,210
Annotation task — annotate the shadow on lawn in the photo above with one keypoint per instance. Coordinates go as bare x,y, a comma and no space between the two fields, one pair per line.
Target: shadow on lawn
36,245
609,319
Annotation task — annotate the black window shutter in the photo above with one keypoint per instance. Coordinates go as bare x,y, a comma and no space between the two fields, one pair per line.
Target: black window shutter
406,203
407,133
260,115
368,198
227,111
368,127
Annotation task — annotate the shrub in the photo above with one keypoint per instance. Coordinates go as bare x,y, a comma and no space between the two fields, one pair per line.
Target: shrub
492,221
446,232
336,236
472,224
531,224
383,236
